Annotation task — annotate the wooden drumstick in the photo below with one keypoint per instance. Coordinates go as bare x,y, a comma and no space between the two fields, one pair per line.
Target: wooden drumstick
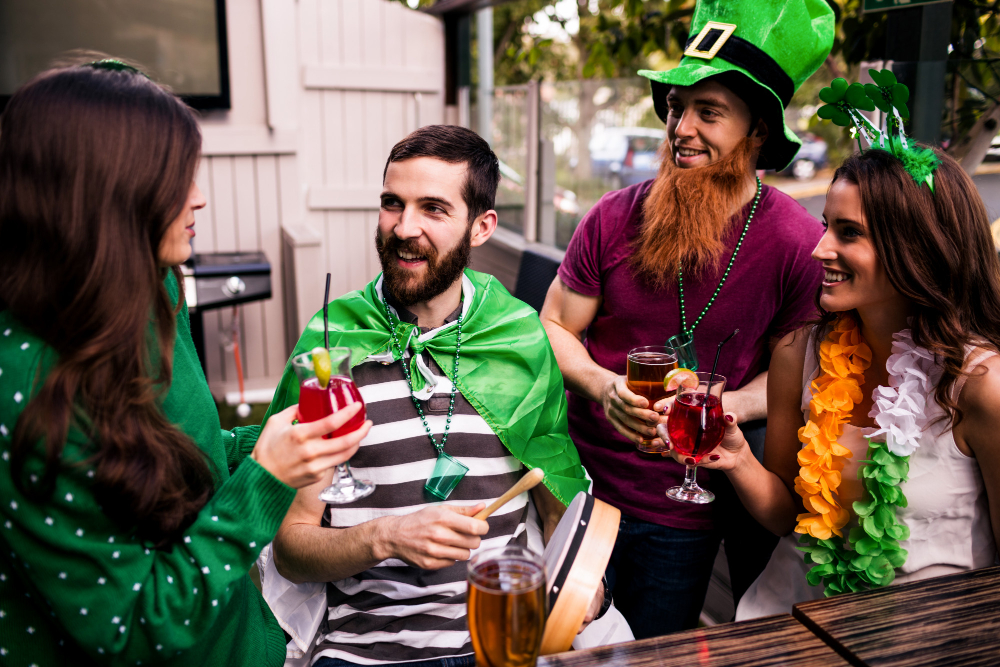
526,483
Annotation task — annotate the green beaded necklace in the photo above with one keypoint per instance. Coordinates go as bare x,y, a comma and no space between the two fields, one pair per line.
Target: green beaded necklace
685,341
448,471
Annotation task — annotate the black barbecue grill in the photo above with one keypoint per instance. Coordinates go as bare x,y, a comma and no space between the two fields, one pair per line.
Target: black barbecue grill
220,280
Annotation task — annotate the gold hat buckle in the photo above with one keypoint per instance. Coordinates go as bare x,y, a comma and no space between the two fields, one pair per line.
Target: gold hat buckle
726,30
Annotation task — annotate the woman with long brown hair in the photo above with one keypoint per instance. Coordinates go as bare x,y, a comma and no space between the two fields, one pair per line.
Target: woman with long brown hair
130,518
881,450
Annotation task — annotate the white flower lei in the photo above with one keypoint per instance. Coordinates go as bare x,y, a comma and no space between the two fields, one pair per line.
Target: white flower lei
905,409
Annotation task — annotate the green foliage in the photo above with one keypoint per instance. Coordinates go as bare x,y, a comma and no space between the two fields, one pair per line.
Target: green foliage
623,36
620,38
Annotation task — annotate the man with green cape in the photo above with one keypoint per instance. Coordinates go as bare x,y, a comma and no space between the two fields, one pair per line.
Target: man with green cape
454,371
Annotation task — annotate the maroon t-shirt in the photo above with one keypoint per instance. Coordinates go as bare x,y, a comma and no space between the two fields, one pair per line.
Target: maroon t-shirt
770,291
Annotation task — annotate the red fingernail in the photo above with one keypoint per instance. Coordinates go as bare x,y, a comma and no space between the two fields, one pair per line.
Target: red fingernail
729,418
689,461
714,457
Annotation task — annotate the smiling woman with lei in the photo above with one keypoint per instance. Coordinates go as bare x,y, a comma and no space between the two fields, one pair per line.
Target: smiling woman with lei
881,463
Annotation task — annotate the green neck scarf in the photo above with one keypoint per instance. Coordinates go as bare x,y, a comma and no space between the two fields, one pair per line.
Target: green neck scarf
507,372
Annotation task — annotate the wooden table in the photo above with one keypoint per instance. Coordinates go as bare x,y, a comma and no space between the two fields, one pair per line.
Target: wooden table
766,642
952,620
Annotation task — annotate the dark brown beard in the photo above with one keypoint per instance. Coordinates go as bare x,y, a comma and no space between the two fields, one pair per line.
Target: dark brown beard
441,273
688,213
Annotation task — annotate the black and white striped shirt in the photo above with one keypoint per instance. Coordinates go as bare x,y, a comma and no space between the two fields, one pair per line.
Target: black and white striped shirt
394,612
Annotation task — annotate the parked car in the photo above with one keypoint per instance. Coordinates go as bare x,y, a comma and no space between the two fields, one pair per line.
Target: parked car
625,155
993,153
810,158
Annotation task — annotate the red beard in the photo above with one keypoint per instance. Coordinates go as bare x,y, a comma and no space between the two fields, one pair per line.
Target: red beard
688,214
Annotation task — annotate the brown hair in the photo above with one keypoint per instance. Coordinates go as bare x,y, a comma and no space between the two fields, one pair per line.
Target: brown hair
456,145
937,252
94,166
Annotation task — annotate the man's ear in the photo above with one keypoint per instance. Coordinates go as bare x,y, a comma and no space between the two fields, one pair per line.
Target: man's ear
483,228
760,134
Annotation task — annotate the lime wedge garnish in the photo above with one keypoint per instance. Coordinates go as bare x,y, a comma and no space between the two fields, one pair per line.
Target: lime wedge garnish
680,377
321,363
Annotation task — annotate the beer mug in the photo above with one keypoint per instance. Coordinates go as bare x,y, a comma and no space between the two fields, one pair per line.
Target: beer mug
506,606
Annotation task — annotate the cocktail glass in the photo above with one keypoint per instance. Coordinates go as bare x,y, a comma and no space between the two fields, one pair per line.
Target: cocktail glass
317,401
696,426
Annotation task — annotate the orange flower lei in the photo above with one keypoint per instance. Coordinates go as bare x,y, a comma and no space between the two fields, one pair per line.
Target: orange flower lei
843,360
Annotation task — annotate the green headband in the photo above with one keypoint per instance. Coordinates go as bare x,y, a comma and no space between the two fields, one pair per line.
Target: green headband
113,65
844,104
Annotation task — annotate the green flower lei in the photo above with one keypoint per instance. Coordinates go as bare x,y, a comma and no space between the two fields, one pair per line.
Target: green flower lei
875,553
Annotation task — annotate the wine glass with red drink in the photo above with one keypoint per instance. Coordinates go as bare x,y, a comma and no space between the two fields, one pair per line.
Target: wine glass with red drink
325,386
647,368
696,426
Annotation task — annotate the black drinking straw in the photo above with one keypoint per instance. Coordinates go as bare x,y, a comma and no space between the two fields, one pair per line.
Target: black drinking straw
326,317
708,390
718,351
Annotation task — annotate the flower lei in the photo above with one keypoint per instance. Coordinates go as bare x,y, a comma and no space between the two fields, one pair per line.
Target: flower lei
902,413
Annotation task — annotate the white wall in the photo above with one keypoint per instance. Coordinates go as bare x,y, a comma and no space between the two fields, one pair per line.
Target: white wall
321,90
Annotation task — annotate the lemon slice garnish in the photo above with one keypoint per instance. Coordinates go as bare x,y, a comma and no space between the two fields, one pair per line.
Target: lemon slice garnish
680,377
321,363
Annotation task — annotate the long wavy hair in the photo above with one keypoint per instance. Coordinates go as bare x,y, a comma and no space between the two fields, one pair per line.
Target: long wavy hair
937,251
94,166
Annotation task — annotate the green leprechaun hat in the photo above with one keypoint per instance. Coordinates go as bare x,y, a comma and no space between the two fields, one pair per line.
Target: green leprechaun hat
774,44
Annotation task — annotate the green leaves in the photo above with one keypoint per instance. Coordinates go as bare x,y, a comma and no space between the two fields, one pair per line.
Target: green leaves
832,112
882,78
887,93
835,91
840,99
857,98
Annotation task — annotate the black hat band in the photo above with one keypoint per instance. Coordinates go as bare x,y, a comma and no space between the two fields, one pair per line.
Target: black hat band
750,57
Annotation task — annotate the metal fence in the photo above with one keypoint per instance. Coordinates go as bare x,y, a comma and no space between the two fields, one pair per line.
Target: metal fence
590,137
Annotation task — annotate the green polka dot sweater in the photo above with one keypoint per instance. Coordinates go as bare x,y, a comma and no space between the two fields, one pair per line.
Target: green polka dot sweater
77,590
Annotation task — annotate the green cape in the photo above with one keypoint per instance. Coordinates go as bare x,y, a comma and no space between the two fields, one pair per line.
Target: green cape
507,371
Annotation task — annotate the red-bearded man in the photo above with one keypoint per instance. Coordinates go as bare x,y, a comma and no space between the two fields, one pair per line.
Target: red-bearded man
699,251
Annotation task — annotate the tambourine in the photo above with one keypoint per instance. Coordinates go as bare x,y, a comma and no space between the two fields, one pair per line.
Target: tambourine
575,559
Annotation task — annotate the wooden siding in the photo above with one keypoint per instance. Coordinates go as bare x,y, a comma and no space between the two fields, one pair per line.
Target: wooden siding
351,121
319,165
245,213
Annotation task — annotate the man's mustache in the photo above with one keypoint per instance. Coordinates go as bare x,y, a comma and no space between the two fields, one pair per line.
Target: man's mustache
411,246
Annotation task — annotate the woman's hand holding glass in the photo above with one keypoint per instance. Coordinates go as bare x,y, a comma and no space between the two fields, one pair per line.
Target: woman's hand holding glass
727,456
298,454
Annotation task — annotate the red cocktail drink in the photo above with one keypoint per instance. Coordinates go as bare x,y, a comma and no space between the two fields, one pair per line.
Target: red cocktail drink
686,422
696,426
326,386
315,402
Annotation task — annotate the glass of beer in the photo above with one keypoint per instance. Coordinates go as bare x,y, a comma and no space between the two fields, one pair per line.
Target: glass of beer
506,606
647,368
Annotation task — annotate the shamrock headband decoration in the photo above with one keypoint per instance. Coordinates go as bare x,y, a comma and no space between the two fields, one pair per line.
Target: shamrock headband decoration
844,104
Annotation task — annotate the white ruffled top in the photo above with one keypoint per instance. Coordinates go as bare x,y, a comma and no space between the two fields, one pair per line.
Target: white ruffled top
947,511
